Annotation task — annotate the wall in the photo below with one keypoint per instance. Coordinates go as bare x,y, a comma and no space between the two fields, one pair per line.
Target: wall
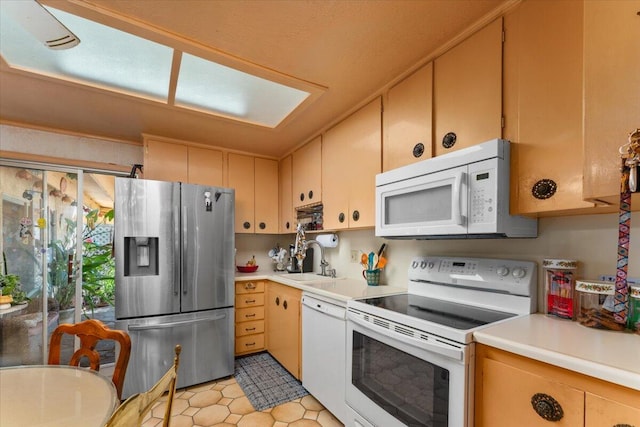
591,239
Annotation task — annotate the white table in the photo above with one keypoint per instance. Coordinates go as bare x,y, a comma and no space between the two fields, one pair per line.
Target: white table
47,396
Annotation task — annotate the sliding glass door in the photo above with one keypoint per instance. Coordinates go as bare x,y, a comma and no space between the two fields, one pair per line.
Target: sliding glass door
56,262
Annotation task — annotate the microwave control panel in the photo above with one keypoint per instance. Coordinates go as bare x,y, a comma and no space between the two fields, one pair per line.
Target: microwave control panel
482,196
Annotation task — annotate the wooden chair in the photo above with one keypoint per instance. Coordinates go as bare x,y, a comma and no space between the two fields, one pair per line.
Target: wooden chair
90,332
134,409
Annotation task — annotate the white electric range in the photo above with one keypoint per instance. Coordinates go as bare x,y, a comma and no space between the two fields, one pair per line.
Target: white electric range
410,356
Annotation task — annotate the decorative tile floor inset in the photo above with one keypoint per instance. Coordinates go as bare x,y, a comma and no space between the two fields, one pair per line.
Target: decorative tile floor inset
222,403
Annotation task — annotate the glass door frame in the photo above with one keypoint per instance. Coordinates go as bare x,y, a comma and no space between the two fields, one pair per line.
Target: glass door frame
79,172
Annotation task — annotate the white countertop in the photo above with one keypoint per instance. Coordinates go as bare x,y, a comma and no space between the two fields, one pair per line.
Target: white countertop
337,289
608,355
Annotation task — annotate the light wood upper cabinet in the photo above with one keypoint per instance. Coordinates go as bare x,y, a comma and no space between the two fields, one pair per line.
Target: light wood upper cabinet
283,326
612,92
407,120
255,181
467,90
286,222
307,174
351,158
242,179
543,105
205,166
168,161
505,384
165,161
266,196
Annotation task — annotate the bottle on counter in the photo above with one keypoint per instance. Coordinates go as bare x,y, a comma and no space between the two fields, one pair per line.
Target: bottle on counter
560,276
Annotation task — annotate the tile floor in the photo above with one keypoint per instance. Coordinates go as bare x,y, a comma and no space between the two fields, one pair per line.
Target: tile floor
222,403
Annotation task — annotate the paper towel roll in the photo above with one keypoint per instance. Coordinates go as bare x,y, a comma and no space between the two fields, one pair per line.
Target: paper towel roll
328,240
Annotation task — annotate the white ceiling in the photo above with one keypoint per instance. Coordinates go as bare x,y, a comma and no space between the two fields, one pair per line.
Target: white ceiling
353,48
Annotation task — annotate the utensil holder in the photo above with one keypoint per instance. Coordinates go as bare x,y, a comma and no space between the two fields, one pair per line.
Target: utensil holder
372,277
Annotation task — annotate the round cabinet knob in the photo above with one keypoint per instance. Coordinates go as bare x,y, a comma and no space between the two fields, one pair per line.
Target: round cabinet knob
287,225
341,217
547,407
355,215
246,225
502,271
310,194
302,197
519,272
277,301
262,226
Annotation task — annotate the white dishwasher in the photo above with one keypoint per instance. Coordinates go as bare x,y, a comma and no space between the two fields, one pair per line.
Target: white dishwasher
324,352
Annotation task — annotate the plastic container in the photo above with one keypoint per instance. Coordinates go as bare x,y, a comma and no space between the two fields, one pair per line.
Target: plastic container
560,275
596,304
634,309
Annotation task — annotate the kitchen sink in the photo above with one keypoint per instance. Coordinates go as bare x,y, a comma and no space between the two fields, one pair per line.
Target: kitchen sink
309,277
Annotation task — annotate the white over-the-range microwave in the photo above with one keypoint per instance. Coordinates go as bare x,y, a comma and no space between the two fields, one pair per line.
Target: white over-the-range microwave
462,194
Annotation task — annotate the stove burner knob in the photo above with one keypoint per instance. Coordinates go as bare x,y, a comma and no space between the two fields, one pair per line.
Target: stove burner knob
430,265
502,271
423,264
414,264
519,272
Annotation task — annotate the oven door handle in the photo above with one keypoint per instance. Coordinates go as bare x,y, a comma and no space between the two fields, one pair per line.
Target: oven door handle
431,344
457,201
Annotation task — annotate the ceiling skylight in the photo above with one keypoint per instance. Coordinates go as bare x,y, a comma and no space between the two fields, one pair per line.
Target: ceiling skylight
105,56
205,84
111,59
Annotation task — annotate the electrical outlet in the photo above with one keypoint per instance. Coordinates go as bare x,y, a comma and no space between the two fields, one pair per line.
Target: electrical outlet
354,256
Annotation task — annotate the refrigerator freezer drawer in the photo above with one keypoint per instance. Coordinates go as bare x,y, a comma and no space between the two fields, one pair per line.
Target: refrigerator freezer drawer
207,340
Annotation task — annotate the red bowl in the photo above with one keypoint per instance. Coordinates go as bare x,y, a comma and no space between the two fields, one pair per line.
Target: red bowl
246,268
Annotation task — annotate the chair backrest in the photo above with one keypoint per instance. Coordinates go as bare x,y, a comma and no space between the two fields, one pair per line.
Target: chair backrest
134,409
90,332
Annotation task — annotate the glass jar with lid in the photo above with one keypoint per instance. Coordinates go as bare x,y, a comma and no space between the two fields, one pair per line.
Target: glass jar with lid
560,275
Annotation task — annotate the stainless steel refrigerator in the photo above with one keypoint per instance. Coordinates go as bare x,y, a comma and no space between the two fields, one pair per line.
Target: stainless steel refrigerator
174,250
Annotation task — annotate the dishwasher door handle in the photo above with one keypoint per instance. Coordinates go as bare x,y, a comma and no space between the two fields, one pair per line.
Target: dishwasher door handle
338,313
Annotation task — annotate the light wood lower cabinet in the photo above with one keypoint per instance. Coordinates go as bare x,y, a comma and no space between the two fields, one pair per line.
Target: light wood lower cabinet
507,386
249,317
283,325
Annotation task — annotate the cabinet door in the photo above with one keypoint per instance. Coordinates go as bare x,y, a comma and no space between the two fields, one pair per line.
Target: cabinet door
286,214
307,173
266,195
164,161
283,326
612,88
543,106
407,120
351,158
241,178
604,412
507,393
205,166
468,90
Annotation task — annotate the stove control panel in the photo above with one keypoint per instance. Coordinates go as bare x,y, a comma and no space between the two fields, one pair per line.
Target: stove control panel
500,275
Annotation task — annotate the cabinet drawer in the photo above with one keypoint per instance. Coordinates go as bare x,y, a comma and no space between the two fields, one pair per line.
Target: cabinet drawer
248,314
249,328
249,300
249,287
249,343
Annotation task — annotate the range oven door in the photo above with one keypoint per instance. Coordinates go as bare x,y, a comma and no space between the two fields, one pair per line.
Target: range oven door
395,381
430,204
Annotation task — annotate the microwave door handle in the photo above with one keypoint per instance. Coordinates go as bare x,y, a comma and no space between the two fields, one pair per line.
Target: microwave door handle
457,201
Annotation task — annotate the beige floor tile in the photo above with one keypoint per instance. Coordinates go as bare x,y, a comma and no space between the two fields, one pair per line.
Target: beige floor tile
233,419
226,401
241,406
256,419
310,402
205,398
233,391
280,424
190,411
181,421
211,415
326,419
288,412
311,415
305,423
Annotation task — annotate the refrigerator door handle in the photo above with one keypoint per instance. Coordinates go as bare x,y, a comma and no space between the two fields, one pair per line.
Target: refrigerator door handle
185,248
174,324
176,253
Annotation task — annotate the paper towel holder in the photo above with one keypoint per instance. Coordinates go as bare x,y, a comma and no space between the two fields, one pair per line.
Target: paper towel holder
328,240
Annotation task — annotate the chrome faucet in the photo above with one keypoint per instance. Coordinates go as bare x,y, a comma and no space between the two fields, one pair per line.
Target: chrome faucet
300,250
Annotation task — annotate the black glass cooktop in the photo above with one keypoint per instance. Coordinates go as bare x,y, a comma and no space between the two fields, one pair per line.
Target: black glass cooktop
458,316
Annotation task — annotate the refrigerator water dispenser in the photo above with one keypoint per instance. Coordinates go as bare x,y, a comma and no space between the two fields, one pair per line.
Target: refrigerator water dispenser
140,256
